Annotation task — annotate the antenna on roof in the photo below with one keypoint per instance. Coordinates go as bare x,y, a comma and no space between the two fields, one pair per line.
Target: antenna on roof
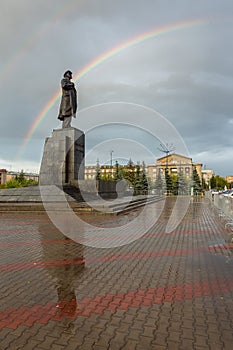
167,149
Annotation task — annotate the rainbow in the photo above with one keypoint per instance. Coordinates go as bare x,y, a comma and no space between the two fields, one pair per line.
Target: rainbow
104,57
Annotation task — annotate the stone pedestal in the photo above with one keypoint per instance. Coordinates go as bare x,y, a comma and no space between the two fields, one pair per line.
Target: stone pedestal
63,158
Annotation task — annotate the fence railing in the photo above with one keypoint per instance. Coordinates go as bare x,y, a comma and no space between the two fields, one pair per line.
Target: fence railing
225,204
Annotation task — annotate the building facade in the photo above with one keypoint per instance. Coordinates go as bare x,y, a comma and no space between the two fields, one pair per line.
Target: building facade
175,163
6,176
106,171
206,176
229,179
90,172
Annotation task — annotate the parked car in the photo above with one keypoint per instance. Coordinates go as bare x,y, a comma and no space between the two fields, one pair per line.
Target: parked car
230,194
214,192
227,193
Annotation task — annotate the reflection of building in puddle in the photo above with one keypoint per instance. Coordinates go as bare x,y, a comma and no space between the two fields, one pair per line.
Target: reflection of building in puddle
65,262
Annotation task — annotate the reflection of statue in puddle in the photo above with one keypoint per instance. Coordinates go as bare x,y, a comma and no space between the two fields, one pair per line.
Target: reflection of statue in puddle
167,209
196,208
68,258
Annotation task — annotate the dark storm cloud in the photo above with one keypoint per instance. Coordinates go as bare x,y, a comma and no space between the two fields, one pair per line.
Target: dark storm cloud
186,75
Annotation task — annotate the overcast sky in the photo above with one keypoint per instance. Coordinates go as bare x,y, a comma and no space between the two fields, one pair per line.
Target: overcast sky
185,75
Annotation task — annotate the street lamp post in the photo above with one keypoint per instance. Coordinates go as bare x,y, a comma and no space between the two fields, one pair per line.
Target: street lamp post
111,163
167,149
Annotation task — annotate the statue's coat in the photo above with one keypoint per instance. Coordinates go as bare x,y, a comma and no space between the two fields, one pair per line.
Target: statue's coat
68,106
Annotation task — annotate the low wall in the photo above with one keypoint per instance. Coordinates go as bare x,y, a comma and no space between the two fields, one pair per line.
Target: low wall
106,189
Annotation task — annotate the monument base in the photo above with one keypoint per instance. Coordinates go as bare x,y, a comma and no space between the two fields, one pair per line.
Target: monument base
63,158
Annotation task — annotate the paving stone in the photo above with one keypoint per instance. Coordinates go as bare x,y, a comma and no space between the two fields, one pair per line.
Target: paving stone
160,339
186,344
173,345
130,345
201,340
163,291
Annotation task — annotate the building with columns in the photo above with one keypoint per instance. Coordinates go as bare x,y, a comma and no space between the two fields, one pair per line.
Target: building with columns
175,163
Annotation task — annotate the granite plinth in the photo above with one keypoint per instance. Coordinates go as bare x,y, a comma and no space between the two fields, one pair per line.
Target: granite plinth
63,158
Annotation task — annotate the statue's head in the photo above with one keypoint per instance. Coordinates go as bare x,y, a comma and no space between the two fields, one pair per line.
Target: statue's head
68,74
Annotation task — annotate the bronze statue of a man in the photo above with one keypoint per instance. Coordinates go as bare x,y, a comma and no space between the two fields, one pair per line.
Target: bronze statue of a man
68,106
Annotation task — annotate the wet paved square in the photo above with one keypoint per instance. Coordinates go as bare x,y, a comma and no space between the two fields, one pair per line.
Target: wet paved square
162,291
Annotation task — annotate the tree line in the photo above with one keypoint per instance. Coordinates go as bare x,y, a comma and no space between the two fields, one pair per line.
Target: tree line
19,181
165,183
135,175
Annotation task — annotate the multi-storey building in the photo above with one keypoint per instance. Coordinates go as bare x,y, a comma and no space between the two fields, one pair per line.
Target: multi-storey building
175,163
108,171
6,176
229,179
90,172
206,176
27,176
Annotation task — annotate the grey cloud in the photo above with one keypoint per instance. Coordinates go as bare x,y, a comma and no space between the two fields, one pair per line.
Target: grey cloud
186,75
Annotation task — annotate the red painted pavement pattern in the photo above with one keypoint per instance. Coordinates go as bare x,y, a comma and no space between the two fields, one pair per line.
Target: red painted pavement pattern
32,243
78,261
116,257
19,231
67,240
12,318
220,247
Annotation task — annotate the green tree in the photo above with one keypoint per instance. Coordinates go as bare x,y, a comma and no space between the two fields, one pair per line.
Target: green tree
118,175
205,185
218,182
106,177
144,180
168,180
196,181
13,183
97,171
129,172
175,184
213,182
150,183
183,186
21,178
31,182
159,184
137,181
